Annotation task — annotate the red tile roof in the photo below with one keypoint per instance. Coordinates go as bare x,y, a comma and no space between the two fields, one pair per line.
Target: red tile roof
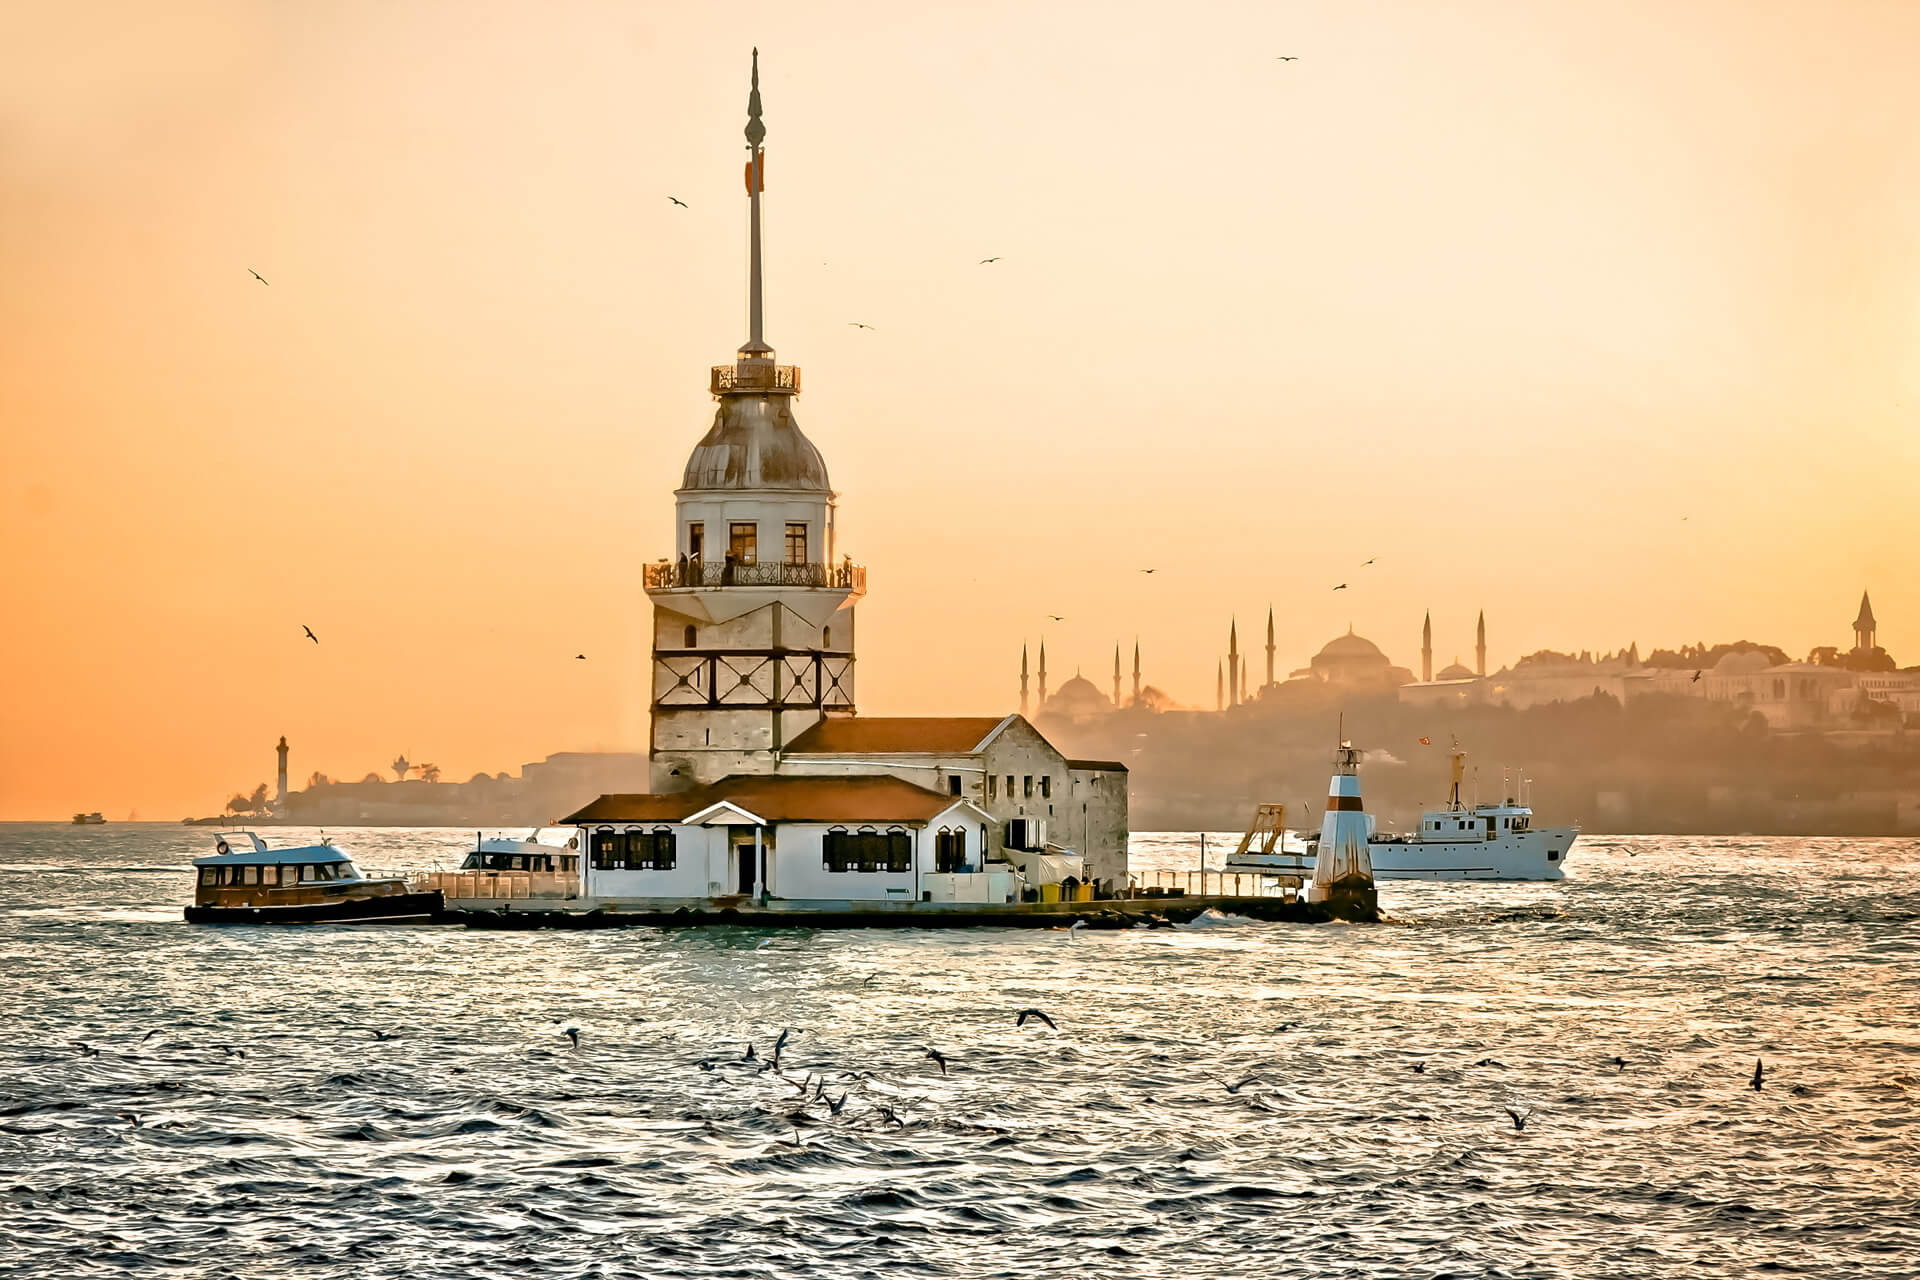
895,735
779,799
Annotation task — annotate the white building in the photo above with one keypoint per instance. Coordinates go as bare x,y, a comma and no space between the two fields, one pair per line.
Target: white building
765,784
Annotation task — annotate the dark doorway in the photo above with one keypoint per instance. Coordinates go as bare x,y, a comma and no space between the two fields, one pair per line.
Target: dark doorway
743,858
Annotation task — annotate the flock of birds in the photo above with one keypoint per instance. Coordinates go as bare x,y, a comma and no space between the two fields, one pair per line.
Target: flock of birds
813,1087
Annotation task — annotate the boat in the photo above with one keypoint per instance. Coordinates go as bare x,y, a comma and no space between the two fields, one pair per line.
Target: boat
252,884
504,853
1458,842
93,819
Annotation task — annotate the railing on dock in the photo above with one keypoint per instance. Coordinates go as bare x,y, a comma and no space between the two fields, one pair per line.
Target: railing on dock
457,885
1211,883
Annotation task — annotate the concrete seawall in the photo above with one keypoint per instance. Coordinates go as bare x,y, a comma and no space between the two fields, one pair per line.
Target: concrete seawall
1114,913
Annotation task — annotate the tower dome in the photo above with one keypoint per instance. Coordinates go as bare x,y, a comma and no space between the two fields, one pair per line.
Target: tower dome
754,443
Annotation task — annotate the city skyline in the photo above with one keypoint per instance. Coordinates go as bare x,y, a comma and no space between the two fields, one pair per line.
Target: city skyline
1657,329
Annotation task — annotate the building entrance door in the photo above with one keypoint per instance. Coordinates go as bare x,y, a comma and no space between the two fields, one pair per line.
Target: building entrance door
743,861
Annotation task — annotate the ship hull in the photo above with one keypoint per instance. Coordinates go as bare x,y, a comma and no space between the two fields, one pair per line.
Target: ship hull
392,908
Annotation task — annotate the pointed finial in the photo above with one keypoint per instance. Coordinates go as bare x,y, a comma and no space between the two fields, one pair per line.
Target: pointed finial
756,131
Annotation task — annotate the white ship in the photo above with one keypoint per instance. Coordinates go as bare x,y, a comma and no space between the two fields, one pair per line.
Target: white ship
1459,842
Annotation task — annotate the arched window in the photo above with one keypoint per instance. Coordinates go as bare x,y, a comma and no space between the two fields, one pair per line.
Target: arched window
950,849
826,637
692,636
609,851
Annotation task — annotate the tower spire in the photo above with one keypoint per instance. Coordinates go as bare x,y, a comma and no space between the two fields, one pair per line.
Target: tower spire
1023,679
1116,677
756,131
1136,671
1233,663
1269,644
1426,648
1480,645
1043,675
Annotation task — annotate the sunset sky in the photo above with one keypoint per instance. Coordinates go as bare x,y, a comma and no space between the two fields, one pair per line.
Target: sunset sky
1604,317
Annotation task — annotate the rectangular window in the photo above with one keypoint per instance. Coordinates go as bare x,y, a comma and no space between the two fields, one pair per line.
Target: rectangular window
949,850
609,850
1046,786
742,537
696,540
651,850
1026,790
953,784
993,786
253,875
209,875
796,543
1009,786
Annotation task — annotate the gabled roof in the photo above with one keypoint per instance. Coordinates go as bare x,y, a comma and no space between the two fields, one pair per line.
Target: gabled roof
897,735
880,798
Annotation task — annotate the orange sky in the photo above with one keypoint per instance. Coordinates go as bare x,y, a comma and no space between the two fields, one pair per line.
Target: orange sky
1494,292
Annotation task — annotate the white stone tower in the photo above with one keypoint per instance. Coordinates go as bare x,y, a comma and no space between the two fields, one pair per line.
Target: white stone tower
1342,866
753,631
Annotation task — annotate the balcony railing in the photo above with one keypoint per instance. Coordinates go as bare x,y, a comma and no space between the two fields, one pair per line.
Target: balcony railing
773,377
845,576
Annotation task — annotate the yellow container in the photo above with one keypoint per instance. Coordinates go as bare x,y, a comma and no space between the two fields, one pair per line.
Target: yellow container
1083,894
1049,893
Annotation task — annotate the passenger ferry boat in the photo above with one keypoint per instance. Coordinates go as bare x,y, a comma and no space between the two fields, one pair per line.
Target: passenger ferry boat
309,884
93,819
1459,842
503,853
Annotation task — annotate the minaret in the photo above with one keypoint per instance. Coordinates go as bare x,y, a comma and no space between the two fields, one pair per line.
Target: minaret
1269,644
1116,677
1043,676
1219,687
280,796
1233,663
753,636
1480,645
1863,625
1136,672
1426,648
1023,679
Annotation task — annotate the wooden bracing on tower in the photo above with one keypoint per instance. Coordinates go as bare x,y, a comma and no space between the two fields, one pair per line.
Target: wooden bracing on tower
1267,827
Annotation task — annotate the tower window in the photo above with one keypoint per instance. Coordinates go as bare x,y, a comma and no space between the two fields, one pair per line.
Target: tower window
993,786
953,784
691,637
696,540
742,537
826,637
796,543
1046,786
1026,789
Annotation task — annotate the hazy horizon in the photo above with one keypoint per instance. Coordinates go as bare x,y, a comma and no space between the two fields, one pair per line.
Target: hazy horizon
1601,318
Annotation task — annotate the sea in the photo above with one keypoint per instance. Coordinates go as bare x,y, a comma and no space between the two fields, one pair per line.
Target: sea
1504,1080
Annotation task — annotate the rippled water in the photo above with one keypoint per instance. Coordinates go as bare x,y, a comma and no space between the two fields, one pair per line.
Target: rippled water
279,1133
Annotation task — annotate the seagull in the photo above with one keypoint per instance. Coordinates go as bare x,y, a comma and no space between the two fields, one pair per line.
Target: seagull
869,978
677,200
834,1107
1057,617
1364,565
749,1055
573,1034
1489,1062
1074,928
1419,1068
1287,57
1619,1063
86,1050
579,657
1341,587
941,1058
1519,1117
256,275
1035,1013
1758,1072
1149,571
309,630
233,1051
781,1043
1235,1088
890,1114
129,1117
150,1035
1696,678
856,324
985,261
381,1035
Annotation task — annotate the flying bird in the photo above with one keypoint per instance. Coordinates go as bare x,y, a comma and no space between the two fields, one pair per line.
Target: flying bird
1619,1063
573,1034
256,275
1149,571
1287,57
1519,1117
1035,1013
834,1107
129,1117
1235,1088
856,324
1365,563
1419,1068
1696,678
309,630
1759,1072
677,200
781,1044
1057,617
985,261
1341,587
936,1056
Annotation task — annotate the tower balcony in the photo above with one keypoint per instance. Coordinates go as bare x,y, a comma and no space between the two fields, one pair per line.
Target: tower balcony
754,377
667,575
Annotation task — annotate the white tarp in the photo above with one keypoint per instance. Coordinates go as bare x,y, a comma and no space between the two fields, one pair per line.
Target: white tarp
1050,868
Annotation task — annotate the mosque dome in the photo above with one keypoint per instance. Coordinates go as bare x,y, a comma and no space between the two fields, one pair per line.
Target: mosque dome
754,443
1456,671
1350,648
1078,697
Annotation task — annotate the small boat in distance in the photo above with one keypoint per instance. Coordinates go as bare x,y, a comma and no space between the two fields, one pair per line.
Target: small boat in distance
1459,842
93,819
310,884
504,853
